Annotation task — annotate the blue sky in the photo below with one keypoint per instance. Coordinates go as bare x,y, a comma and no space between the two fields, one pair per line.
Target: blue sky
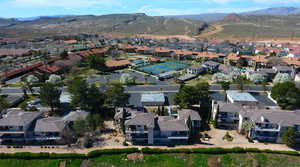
29,8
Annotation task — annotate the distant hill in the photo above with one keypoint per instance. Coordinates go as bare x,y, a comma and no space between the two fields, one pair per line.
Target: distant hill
256,26
207,17
115,23
275,11
212,17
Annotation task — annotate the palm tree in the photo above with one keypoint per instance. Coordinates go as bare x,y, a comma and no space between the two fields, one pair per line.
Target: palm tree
3,103
247,126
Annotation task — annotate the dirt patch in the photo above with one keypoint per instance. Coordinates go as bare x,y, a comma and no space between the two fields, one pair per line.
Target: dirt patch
135,157
62,164
214,162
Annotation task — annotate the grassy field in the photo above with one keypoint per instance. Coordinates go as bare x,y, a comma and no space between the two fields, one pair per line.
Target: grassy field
167,160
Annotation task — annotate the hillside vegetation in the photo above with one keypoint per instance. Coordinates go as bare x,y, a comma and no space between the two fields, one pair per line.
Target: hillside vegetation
251,26
116,23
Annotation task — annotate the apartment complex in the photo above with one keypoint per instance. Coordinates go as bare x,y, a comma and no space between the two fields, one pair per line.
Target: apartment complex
146,128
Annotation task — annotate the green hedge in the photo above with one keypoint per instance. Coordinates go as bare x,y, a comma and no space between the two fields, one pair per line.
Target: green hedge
97,153
145,150
216,150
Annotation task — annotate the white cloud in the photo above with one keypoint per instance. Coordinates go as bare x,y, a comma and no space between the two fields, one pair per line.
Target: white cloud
64,3
164,11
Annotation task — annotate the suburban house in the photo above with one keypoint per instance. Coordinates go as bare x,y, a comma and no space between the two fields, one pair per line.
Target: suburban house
196,70
228,114
285,69
16,126
49,130
146,128
211,66
270,124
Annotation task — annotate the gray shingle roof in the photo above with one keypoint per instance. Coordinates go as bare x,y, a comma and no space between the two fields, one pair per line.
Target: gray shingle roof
229,107
146,119
19,118
74,115
171,124
277,116
184,114
51,124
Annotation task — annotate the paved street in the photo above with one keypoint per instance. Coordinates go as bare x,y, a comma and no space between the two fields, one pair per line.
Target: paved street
153,88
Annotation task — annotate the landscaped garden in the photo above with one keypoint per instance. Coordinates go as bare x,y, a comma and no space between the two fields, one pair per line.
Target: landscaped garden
160,68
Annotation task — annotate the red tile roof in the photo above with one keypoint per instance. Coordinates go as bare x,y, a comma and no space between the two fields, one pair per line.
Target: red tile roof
49,69
117,63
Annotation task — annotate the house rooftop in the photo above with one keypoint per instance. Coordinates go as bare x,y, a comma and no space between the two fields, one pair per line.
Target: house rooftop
75,115
153,97
140,118
238,96
51,124
229,107
18,118
184,114
282,117
168,124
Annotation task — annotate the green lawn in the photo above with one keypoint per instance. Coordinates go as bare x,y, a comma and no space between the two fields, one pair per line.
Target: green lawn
167,160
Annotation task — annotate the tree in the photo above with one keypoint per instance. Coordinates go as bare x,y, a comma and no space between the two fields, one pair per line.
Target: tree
50,95
78,90
185,97
96,62
289,137
3,103
287,95
85,96
247,126
80,127
257,78
116,96
225,86
95,98
127,79
191,95
55,79
64,54
282,77
240,83
274,61
216,117
95,122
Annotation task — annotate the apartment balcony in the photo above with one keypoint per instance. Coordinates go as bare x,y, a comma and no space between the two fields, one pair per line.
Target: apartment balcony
267,129
136,131
178,137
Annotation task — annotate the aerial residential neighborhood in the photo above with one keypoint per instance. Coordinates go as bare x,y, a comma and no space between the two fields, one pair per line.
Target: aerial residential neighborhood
212,83
152,94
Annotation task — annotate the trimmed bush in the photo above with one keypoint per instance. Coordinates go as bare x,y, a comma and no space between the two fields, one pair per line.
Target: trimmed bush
97,153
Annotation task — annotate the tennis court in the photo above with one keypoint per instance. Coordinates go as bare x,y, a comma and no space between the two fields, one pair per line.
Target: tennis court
157,69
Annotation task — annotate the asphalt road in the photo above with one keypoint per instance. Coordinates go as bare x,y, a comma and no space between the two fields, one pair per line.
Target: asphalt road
154,88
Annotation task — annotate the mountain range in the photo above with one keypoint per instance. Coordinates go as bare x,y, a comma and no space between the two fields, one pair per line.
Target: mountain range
211,17
115,23
266,23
